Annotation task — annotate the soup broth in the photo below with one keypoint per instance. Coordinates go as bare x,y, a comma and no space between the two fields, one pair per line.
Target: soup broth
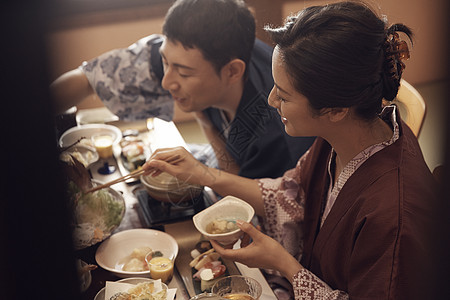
221,226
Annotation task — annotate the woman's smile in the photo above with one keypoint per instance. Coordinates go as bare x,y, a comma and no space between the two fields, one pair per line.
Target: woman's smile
283,119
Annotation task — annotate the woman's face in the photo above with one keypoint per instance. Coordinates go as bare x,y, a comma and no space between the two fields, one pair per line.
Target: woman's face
292,106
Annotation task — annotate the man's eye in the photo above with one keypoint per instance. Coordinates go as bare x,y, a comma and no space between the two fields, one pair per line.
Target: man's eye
184,75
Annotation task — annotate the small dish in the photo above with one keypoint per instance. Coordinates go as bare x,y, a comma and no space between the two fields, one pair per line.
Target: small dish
229,208
111,253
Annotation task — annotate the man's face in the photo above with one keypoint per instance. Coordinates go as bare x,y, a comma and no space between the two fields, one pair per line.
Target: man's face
191,80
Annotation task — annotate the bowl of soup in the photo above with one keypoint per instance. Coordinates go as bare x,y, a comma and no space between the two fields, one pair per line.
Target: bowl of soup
167,188
218,222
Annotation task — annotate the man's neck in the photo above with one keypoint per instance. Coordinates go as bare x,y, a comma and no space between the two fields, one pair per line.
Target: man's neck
231,100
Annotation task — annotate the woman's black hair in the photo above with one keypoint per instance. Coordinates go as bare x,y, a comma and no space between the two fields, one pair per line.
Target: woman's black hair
341,55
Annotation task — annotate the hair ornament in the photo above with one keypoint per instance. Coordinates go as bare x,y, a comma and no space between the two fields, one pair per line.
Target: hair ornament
396,51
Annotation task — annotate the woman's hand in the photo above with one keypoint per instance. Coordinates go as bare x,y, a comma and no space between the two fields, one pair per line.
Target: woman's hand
264,252
188,169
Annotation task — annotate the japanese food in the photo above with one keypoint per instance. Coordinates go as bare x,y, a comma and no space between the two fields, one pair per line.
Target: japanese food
95,215
221,226
85,159
208,267
142,291
135,262
134,153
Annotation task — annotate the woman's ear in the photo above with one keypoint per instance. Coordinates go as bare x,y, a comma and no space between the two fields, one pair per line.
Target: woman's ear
337,114
234,70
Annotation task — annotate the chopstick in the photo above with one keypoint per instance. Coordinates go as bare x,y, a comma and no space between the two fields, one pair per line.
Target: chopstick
172,160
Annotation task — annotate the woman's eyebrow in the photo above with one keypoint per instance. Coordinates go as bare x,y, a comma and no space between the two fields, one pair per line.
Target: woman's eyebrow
281,89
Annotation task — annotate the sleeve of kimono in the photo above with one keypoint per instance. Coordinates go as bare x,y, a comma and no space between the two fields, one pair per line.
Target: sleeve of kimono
284,209
284,206
308,286
126,83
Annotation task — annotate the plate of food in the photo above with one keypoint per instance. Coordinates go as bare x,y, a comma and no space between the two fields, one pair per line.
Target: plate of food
135,288
124,253
95,215
207,267
134,152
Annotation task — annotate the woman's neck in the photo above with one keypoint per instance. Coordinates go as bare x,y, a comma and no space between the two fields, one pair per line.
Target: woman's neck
350,139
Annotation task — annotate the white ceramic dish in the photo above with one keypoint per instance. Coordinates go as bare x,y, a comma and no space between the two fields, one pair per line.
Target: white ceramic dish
229,208
132,280
122,244
75,133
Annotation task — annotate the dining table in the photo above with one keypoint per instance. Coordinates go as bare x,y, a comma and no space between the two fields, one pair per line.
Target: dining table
158,134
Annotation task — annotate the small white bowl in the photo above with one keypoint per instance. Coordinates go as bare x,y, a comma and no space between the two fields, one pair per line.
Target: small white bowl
229,208
120,245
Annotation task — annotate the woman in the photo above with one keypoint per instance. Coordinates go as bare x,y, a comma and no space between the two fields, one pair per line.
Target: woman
351,219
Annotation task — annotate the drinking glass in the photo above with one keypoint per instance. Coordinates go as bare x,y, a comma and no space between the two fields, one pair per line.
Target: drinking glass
103,143
160,267
237,287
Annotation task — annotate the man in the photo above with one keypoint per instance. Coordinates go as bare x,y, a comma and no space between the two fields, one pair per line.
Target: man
208,63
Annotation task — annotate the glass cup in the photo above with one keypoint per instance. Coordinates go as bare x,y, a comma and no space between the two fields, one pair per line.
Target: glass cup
103,143
237,287
160,267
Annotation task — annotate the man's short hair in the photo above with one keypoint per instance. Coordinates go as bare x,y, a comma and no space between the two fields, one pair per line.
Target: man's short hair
221,29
